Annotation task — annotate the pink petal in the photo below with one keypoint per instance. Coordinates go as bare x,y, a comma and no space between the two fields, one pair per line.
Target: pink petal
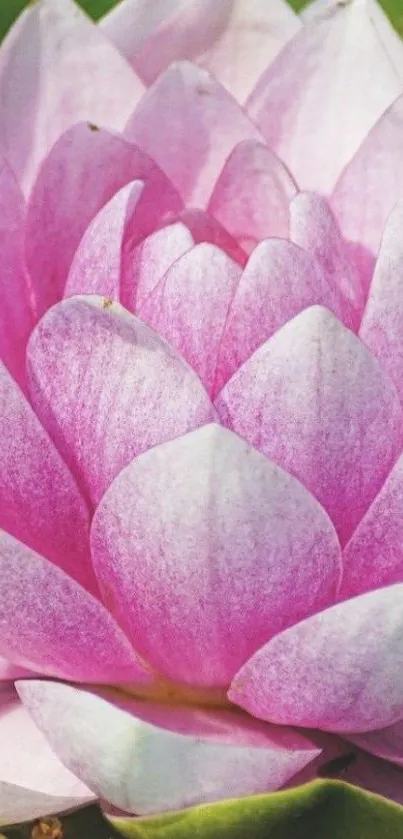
381,328
143,768
151,259
232,39
252,195
338,670
9,672
374,555
190,306
210,528
369,187
57,68
205,228
98,262
152,37
386,743
189,145
314,227
315,401
16,320
32,780
279,281
254,35
106,387
57,627
80,175
40,504
317,101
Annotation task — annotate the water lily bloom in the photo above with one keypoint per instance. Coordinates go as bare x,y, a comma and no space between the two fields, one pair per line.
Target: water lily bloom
201,401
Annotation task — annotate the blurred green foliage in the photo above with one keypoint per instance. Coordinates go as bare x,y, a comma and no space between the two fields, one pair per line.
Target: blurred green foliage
320,810
9,9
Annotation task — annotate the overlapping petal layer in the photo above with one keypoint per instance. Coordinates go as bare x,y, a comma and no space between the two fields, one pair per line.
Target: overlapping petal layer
32,780
45,64
200,491
317,101
120,374
338,670
142,767
300,400
219,549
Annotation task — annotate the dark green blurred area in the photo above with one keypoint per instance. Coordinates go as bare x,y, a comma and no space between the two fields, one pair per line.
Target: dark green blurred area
324,809
9,9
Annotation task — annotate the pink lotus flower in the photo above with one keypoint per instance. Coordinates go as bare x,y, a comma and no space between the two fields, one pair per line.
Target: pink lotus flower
201,403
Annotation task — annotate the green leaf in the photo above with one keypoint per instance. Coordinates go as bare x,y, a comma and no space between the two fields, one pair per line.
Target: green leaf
320,810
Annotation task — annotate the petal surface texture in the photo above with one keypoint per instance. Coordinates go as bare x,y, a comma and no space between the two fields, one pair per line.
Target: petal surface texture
106,387
40,503
32,779
338,670
316,401
61,69
16,316
83,171
374,556
142,768
324,79
279,281
369,187
189,146
68,634
381,327
206,536
190,306
252,195
232,39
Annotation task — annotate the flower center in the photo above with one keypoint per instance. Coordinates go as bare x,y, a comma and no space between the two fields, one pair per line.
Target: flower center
165,692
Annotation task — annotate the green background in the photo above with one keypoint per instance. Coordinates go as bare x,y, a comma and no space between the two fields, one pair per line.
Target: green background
9,9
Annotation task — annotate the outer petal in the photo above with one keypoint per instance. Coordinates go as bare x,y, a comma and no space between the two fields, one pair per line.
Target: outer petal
58,628
314,227
97,266
374,555
151,37
82,172
235,41
57,68
143,768
338,670
252,195
189,145
279,281
381,328
16,320
32,780
316,401
369,187
107,387
40,504
190,306
254,35
210,528
319,83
